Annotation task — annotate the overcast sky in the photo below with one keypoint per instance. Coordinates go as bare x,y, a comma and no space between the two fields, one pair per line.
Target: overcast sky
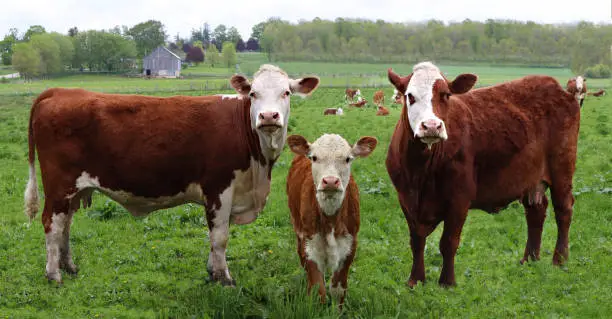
182,16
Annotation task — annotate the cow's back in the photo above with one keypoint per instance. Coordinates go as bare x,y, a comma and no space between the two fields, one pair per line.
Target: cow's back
150,146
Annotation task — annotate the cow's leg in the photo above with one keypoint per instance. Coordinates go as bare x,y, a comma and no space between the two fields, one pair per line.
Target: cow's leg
314,277
57,218
449,242
339,282
218,226
563,201
418,237
535,204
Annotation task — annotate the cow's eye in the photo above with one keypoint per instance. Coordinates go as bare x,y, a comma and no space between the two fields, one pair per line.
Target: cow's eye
445,95
314,158
287,93
348,159
253,95
411,98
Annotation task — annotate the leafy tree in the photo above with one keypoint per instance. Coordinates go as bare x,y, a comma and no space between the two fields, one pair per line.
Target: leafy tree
206,36
195,54
33,30
186,47
252,45
257,31
240,46
66,48
220,36
212,56
26,60
100,50
49,51
72,32
147,36
233,35
229,54
6,46
196,35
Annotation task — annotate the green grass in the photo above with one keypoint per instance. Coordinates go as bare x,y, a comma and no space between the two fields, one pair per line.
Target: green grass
7,70
156,266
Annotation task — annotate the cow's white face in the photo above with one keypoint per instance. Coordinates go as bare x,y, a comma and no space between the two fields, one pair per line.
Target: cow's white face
270,99
331,157
427,94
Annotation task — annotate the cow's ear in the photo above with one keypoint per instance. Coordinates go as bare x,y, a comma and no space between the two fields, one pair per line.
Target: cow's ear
298,145
304,86
463,83
364,146
400,83
241,85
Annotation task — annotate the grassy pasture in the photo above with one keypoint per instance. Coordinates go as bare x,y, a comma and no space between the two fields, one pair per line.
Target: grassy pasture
155,266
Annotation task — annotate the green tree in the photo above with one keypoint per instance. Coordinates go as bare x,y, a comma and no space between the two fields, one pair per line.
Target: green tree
26,60
220,36
212,56
233,35
33,30
147,36
229,54
6,46
66,48
206,36
100,50
49,51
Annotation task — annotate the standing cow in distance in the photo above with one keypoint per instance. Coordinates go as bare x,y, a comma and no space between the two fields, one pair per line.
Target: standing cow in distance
351,94
379,98
150,153
324,202
454,149
577,87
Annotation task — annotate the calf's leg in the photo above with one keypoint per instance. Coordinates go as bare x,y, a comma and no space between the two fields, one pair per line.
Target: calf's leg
339,282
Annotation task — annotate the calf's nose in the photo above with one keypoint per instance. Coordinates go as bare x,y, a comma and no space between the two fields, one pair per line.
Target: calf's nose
331,182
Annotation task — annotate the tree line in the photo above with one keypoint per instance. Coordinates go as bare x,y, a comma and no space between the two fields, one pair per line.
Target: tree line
119,49
577,46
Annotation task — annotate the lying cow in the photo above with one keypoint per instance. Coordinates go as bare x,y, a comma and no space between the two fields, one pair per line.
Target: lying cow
379,98
350,94
360,102
150,153
598,93
382,111
454,149
577,87
324,202
333,111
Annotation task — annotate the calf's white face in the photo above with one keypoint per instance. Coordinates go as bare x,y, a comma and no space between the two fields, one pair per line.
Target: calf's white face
331,157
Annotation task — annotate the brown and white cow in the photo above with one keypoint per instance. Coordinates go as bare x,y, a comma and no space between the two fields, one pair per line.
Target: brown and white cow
600,92
379,98
324,202
350,94
360,102
382,111
454,149
333,111
577,87
396,97
149,153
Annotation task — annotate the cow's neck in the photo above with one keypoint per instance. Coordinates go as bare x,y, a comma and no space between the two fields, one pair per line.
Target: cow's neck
414,152
263,147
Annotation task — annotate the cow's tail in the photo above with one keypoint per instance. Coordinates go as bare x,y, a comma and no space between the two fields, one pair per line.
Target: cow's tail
31,199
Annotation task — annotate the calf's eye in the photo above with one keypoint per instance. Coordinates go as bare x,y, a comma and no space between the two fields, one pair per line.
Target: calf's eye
348,159
314,158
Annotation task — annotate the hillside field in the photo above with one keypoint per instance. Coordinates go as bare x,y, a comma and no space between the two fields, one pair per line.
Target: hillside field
155,267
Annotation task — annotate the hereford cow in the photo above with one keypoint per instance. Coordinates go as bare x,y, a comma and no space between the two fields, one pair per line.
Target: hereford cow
598,93
350,94
382,111
379,98
454,149
333,111
360,102
324,202
396,97
149,153
577,87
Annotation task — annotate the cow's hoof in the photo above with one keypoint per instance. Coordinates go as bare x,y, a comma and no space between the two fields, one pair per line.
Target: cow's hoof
70,269
55,277
222,279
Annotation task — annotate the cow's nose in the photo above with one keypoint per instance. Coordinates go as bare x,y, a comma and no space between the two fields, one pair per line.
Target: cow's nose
432,127
269,116
331,182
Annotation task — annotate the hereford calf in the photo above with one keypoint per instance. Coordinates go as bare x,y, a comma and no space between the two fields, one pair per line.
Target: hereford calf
455,148
324,202
350,94
379,98
396,97
333,111
382,111
577,87
360,102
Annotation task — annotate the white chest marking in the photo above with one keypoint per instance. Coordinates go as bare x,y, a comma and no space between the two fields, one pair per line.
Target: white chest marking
251,190
139,205
329,251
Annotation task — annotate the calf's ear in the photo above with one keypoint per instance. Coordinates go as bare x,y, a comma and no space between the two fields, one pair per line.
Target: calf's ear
241,84
364,146
298,145
463,83
304,86
400,83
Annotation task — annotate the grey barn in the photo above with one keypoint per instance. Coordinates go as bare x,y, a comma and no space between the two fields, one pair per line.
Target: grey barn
162,63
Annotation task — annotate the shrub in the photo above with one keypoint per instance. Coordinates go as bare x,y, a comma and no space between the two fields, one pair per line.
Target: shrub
599,71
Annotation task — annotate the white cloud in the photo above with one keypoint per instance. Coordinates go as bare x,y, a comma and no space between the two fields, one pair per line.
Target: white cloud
182,16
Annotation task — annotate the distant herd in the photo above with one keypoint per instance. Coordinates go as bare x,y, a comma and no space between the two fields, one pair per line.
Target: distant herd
454,148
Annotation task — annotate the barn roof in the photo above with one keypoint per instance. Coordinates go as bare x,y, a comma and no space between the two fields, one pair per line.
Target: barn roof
164,48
